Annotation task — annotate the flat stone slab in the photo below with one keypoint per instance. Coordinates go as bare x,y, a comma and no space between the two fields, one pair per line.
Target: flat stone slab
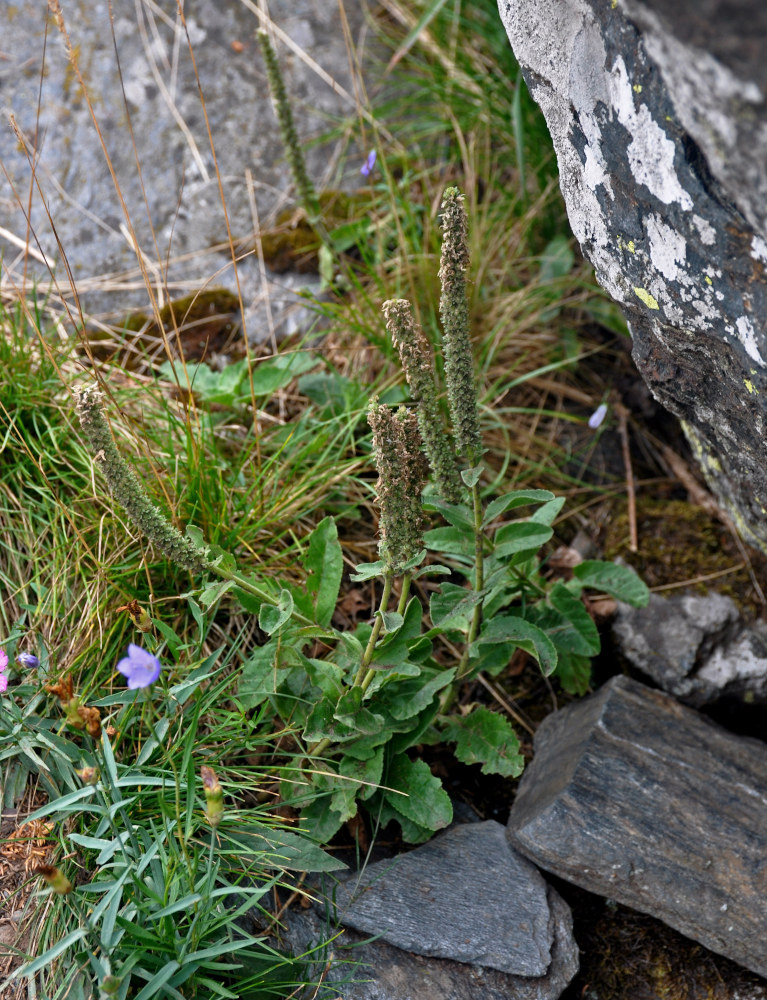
354,968
465,895
635,797
463,917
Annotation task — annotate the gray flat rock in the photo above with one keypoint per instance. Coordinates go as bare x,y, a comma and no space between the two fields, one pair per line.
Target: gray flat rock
465,895
355,968
635,797
154,90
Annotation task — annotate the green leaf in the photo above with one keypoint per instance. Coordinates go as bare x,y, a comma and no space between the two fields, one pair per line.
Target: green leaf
324,565
365,773
452,606
350,712
574,673
52,953
456,541
471,476
326,676
557,260
152,988
586,640
366,571
547,513
319,818
289,850
392,651
269,376
620,582
517,498
258,679
486,738
407,698
214,591
457,514
425,801
391,620
520,536
272,618
509,628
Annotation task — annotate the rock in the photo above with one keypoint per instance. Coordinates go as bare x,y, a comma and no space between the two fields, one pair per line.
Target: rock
696,648
183,243
659,121
671,637
632,796
463,917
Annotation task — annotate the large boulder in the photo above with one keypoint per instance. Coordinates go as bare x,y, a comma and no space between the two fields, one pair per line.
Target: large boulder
659,123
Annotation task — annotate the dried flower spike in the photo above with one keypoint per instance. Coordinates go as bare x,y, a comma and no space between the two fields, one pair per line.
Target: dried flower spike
454,310
290,138
214,796
55,878
128,491
401,476
415,356
138,616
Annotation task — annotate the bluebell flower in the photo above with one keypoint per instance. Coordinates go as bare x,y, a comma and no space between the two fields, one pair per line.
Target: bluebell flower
598,416
139,667
369,165
28,660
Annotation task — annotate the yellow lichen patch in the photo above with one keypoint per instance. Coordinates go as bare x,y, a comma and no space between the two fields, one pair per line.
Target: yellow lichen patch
630,246
751,387
708,280
637,88
644,296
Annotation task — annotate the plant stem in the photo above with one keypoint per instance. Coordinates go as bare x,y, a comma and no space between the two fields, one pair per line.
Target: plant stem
364,675
406,581
479,580
245,584
367,656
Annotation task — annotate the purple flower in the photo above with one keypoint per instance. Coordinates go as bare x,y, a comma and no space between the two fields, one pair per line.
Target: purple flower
3,683
367,167
598,416
3,661
28,660
141,668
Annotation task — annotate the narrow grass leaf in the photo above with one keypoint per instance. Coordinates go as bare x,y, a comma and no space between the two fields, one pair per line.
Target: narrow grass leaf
152,988
51,954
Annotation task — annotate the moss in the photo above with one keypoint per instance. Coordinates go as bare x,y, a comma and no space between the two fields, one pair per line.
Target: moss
680,542
625,954
292,244
196,325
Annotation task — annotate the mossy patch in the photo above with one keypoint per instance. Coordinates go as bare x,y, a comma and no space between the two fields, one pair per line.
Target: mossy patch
679,542
625,954
194,326
292,244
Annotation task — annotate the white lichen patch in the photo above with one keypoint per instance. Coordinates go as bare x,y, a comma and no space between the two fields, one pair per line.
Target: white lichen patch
705,229
650,152
747,336
759,249
667,247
